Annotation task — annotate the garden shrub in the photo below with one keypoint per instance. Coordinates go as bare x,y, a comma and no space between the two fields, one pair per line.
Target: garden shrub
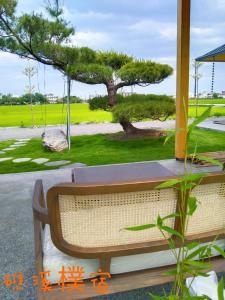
139,107
102,102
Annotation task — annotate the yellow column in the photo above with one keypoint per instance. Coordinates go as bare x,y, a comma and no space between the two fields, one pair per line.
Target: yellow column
182,87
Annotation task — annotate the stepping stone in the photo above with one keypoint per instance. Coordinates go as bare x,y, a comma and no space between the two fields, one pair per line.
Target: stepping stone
75,165
23,140
57,163
5,158
19,160
40,161
20,143
9,149
2,152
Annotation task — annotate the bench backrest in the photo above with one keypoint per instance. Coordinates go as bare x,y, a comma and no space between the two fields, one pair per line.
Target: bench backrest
88,220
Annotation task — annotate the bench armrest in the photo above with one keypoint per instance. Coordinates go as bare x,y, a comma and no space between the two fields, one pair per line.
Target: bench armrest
39,208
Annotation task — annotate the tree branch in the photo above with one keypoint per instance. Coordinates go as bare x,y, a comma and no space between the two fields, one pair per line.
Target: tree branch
122,84
29,50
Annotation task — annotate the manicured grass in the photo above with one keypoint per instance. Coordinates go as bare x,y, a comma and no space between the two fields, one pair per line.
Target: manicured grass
55,114
216,111
208,101
102,149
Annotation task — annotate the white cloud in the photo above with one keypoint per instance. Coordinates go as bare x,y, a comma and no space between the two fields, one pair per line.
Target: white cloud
212,35
8,59
171,60
91,39
166,30
74,15
203,31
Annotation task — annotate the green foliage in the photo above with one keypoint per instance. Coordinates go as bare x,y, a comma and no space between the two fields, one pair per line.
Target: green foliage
90,73
144,72
8,7
37,98
102,102
113,59
139,107
198,120
73,99
220,289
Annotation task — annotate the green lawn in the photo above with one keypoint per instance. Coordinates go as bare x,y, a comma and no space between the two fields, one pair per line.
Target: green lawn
56,114
216,111
102,149
208,101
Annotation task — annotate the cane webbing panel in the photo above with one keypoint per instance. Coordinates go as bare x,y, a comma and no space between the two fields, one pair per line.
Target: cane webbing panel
97,220
210,213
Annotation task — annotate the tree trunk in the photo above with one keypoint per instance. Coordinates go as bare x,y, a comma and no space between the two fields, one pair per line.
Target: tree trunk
111,89
128,128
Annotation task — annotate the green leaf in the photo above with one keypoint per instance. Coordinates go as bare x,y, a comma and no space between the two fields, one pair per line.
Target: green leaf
168,183
188,186
141,227
220,289
192,205
193,177
197,263
159,221
171,244
192,245
154,297
198,120
170,273
196,252
210,160
170,216
219,250
171,134
171,231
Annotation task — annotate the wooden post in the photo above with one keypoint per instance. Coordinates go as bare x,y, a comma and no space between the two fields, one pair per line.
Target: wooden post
182,89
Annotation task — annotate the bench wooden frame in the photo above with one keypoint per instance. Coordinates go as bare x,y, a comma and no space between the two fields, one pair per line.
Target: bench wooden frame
118,283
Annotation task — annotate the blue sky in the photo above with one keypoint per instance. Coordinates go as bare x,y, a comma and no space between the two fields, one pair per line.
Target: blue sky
144,29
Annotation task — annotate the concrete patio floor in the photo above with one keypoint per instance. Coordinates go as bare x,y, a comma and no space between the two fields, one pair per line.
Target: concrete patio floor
16,230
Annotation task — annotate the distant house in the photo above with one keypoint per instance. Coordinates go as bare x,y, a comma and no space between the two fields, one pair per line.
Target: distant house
223,94
52,98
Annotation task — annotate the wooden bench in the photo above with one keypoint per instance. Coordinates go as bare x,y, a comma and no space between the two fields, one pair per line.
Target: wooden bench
84,222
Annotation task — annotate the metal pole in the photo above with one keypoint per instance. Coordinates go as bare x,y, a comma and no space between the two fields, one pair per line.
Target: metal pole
212,86
68,111
197,78
195,87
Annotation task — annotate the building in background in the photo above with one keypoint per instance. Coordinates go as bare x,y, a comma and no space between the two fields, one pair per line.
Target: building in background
52,98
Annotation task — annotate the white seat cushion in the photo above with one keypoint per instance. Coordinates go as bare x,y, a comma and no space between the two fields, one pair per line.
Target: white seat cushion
54,259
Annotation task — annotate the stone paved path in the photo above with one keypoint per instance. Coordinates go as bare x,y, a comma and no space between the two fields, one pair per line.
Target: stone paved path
22,134
209,124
